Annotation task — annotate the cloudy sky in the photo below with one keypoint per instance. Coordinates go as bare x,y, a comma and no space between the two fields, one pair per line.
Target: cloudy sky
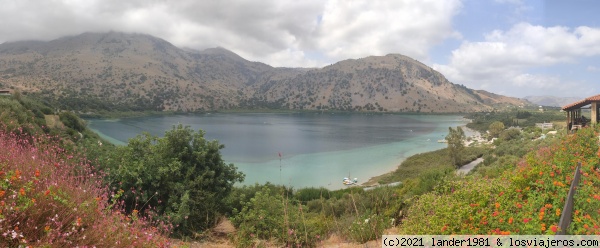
510,47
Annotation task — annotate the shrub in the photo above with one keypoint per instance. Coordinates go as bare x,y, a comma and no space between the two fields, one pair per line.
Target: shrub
48,197
527,199
368,226
72,121
271,216
182,175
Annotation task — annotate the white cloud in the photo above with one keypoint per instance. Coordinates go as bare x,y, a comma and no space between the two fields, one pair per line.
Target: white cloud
277,32
351,29
505,58
593,68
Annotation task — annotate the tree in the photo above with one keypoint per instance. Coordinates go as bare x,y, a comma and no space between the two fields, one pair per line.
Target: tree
456,145
496,128
509,134
72,121
181,177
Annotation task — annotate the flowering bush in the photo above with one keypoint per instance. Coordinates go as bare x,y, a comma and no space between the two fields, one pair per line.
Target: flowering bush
525,200
50,197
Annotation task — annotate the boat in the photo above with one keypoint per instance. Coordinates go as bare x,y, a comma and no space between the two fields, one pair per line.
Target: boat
349,182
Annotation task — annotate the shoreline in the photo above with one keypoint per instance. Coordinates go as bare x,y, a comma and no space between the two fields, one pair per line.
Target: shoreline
147,113
394,154
373,181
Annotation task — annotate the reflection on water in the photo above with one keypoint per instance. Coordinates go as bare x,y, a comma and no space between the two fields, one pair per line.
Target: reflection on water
317,149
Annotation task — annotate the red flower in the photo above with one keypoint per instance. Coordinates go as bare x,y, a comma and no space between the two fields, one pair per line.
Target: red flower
525,220
554,228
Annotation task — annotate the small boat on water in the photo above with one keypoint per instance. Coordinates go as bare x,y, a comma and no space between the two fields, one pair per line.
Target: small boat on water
348,182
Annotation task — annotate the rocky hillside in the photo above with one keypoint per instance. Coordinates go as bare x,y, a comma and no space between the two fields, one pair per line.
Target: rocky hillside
553,101
107,71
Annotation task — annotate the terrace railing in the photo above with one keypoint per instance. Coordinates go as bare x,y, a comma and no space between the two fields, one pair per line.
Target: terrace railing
567,212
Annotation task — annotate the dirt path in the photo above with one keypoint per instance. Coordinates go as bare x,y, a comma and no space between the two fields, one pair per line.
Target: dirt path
468,167
220,239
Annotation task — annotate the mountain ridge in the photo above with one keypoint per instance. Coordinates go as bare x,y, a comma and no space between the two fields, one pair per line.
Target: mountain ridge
552,101
142,72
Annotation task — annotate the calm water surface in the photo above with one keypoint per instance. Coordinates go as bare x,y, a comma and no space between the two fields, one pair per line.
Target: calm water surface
317,149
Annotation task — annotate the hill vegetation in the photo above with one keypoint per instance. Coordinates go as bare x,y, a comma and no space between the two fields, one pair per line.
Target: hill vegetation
97,73
50,195
64,184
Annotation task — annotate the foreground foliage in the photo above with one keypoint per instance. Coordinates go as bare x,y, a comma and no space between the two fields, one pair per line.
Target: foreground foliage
180,176
526,199
49,197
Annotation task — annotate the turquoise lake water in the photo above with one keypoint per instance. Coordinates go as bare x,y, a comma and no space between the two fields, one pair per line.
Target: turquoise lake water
317,149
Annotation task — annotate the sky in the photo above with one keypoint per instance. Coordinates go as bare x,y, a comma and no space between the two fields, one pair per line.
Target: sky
510,47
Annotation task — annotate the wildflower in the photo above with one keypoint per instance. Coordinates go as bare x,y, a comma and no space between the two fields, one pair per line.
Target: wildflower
37,173
47,228
554,228
543,228
510,220
497,205
47,192
2,192
78,221
525,220
22,192
558,212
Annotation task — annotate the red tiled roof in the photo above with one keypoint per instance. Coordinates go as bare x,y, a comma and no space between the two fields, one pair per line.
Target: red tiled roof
593,98
582,103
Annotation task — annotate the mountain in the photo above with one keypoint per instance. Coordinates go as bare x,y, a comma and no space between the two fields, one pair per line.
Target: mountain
552,101
107,71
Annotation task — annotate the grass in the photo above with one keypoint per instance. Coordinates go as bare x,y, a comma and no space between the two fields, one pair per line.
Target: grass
424,163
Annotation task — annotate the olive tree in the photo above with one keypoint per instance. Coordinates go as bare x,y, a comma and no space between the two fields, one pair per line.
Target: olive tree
496,128
181,177
456,145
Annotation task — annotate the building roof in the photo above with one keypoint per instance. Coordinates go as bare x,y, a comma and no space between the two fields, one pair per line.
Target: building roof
582,103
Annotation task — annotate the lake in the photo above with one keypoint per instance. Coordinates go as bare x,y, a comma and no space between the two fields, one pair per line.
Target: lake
316,149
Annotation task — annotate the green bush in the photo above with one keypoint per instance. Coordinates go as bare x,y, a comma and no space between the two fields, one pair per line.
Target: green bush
368,226
72,121
181,176
311,193
271,216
